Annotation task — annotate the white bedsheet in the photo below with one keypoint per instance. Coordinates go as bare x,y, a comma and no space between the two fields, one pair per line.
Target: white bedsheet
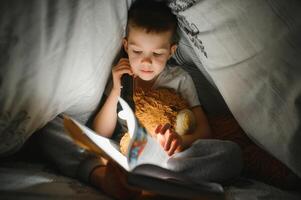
55,57
251,51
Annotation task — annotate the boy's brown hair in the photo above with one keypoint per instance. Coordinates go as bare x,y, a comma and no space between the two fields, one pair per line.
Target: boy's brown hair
153,16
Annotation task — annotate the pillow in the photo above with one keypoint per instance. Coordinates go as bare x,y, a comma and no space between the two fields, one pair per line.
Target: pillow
55,57
251,51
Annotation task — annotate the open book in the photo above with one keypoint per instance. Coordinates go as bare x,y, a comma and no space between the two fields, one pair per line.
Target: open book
145,160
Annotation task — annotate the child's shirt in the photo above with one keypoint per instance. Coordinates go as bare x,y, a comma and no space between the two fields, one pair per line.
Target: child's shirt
176,78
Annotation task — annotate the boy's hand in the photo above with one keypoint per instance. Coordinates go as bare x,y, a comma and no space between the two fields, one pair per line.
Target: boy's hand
170,141
122,67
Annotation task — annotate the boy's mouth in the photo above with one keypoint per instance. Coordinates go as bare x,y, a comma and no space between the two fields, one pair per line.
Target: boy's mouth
146,71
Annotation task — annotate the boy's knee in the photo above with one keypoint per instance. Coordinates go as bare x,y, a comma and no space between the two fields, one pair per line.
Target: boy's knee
232,157
233,150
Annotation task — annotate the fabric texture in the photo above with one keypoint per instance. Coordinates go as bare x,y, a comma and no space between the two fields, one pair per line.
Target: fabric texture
176,78
258,164
250,50
246,189
60,149
209,96
210,160
24,180
55,57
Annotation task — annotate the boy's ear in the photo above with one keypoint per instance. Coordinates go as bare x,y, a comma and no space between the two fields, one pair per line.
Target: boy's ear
173,49
125,44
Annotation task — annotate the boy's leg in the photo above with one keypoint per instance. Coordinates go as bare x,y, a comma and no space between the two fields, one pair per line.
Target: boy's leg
107,176
209,160
111,179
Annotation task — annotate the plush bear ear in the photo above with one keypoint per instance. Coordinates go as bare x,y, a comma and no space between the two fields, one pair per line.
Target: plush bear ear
185,121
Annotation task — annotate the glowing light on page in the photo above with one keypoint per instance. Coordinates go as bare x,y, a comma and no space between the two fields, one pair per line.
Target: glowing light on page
129,116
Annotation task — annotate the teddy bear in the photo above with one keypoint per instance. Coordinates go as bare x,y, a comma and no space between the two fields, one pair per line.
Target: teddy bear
160,106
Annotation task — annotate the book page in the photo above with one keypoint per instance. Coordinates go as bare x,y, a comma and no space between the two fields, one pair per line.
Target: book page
127,114
152,153
142,149
110,147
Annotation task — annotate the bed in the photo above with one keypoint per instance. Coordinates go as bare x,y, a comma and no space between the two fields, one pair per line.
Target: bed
56,57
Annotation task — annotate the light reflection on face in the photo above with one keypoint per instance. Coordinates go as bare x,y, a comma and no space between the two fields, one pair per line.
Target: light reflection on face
148,52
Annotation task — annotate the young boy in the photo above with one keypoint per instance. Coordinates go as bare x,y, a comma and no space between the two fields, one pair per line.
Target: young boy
150,42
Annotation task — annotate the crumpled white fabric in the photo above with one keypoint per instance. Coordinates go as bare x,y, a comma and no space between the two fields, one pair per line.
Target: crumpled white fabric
250,50
55,56
208,160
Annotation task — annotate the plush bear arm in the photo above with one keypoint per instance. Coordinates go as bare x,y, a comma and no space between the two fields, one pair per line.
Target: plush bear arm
202,129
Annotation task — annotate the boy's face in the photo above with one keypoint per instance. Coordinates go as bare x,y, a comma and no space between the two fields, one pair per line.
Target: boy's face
148,52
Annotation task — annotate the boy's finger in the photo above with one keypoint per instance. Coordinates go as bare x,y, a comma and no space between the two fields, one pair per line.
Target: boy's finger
121,67
174,146
169,138
179,149
120,72
158,128
165,128
124,59
122,64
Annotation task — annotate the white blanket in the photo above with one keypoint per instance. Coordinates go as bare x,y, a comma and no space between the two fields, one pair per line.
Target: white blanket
55,57
251,52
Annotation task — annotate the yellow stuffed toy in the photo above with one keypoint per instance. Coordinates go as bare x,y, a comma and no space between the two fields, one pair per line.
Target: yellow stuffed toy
160,106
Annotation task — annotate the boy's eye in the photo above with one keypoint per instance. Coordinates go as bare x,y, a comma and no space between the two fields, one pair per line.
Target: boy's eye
157,54
137,52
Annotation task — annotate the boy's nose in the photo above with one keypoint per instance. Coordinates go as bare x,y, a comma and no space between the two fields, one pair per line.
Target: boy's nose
146,60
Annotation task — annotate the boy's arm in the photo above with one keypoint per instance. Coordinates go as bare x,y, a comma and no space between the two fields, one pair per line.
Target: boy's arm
105,120
201,130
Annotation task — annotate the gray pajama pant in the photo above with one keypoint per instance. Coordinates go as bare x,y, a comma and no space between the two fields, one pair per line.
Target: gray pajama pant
209,160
